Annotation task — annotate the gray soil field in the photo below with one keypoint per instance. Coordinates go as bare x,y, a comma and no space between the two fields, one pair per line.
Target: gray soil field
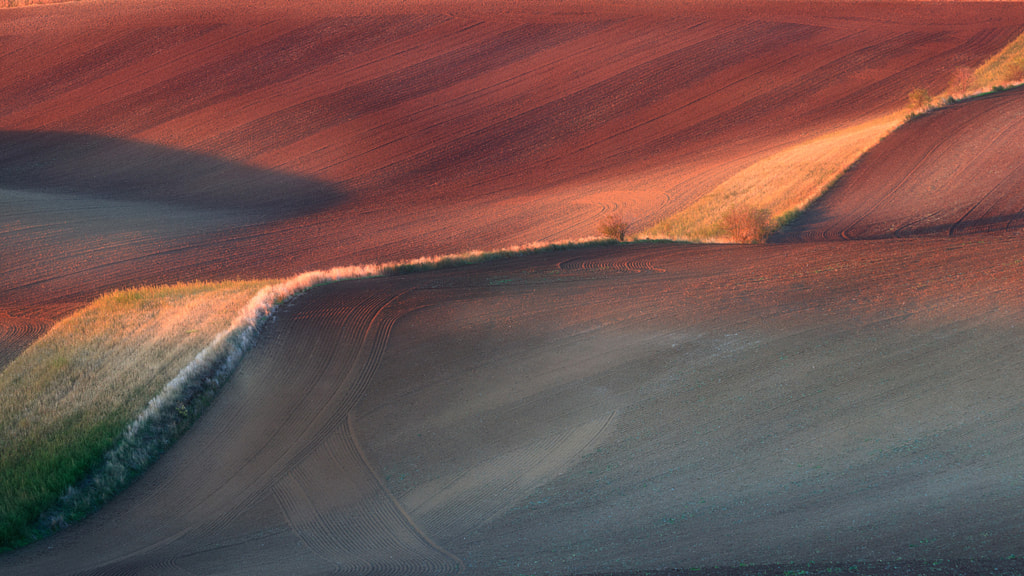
602,410
843,399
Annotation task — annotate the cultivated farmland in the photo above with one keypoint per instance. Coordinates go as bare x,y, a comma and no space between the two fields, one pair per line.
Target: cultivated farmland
842,398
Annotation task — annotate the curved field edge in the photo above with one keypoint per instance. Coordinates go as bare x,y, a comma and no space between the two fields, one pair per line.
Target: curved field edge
71,393
770,192
773,191
96,400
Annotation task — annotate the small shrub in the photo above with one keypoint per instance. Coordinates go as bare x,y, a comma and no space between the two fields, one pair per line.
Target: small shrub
747,225
614,227
1016,73
961,82
919,99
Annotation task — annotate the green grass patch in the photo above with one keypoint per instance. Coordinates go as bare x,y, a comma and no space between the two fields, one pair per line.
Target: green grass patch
67,399
96,400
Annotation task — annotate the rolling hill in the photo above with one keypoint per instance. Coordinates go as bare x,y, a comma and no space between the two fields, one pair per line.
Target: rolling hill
625,409
158,141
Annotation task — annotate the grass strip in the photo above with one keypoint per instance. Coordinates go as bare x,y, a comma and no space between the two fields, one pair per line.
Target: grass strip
68,397
23,3
780,185
775,190
96,400
1004,69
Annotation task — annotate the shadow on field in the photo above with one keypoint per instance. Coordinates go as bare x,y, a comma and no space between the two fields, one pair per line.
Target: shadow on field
116,169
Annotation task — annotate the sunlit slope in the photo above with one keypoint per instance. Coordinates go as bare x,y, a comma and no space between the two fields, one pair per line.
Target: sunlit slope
282,138
602,409
954,171
775,189
99,397
771,192
66,399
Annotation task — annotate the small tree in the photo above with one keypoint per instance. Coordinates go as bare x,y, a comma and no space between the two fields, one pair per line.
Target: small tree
747,225
918,99
614,227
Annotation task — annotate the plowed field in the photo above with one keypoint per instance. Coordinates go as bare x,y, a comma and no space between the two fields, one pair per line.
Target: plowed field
279,138
603,410
955,171
608,410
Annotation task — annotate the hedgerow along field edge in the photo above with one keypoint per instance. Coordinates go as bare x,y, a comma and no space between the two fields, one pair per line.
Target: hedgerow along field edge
94,401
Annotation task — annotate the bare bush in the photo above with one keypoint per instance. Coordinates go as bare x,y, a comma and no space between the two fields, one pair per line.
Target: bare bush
614,227
1016,73
961,82
919,99
747,225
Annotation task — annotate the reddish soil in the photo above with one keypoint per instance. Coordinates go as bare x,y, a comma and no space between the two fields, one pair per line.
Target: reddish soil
650,407
606,410
952,172
282,138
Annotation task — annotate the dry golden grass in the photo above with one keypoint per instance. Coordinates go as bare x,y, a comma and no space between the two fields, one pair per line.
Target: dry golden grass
115,354
96,399
69,395
785,183
20,3
961,82
1004,69
780,184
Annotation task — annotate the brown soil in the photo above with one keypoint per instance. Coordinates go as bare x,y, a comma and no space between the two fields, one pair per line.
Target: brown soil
618,410
605,410
336,132
952,172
